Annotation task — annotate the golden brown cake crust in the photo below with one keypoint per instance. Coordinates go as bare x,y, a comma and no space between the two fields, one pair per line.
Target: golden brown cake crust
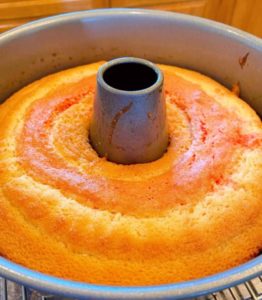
66,212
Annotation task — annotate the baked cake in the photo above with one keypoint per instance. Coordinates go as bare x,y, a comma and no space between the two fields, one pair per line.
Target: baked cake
67,212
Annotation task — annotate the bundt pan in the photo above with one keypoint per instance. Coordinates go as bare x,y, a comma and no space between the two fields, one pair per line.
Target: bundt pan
219,51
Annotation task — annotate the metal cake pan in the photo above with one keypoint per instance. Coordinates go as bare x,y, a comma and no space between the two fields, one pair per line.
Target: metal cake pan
42,47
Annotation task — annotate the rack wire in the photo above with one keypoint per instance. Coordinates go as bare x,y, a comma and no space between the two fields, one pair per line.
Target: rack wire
250,290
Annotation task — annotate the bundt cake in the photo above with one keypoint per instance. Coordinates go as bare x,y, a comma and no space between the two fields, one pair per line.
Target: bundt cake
67,212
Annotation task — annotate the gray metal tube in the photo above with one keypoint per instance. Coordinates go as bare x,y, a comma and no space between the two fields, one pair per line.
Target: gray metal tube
129,118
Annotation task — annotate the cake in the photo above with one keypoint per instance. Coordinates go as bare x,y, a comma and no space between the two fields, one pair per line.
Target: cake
67,212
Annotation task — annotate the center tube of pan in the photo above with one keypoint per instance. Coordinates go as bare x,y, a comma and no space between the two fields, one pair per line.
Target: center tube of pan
129,124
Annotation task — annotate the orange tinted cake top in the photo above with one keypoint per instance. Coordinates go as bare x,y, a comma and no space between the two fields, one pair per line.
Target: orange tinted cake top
199,163
66,211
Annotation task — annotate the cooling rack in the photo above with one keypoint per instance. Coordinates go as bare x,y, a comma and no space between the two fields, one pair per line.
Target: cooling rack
250,290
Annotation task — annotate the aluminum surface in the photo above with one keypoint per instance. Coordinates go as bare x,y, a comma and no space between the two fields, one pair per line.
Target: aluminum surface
55,43
42,47
250,290
129,119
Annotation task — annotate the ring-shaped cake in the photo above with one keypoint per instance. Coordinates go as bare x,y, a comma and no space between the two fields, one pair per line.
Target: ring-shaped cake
67,212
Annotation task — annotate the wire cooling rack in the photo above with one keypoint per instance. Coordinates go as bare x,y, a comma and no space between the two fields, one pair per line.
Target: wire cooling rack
250,290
